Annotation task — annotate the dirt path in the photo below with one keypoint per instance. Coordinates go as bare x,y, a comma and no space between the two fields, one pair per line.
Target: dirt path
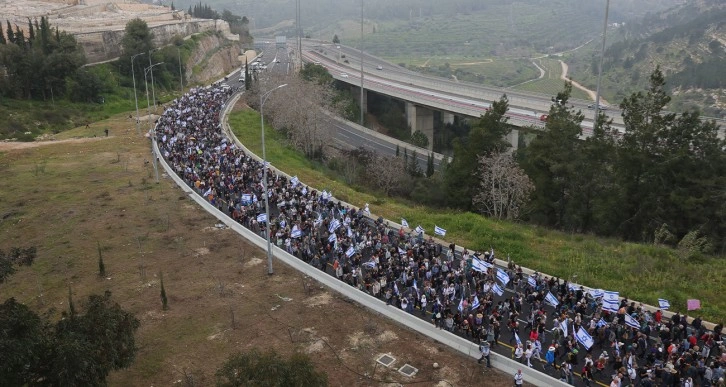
15,145
589,92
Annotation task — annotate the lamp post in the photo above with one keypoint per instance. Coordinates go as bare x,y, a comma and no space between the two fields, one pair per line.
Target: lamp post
599,72
153,92
146,84
181,75
263,99
362,91
136,100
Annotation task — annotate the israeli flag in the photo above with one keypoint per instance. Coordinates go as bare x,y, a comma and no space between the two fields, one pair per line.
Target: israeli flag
349,253
551,299
262,218
532,282
305,191
208,192
419,229
502,276
439,231
334,225
324,195
664,304
479,265
563,325
601,322
516,337
395,288
610,301
296,233
475,304
318,221
461,305
294,181
404,223
246,199
370,264
367,210
497,289
597,293
631,322
584,338
332,238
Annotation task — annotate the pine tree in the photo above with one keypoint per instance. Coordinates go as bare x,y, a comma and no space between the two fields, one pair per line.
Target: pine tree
430,166
101,265
164,301
31,32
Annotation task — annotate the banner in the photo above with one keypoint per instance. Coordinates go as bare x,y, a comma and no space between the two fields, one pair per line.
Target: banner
664,304
439,231
404,223
693,304
584,338
294,181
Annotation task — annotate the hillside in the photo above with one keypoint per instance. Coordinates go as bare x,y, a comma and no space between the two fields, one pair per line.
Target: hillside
688,42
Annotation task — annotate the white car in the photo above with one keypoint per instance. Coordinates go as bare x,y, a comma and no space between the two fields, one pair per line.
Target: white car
343,75
379,67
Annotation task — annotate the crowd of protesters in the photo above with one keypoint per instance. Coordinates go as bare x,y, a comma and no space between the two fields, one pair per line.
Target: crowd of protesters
420,276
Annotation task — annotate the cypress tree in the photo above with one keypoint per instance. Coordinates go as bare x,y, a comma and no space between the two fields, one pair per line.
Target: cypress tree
71,305
2,37
430,166
164,301
11,35
31,31
101,265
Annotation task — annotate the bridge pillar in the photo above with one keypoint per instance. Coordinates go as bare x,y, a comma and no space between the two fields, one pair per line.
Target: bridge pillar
447,118
421,118
355,90
513,138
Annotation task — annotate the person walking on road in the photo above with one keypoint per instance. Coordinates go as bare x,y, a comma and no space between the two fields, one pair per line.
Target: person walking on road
485,350
518,379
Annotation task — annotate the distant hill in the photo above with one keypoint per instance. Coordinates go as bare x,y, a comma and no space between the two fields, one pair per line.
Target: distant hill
687,41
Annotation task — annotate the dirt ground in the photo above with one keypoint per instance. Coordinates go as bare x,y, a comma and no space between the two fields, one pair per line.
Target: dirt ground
80,198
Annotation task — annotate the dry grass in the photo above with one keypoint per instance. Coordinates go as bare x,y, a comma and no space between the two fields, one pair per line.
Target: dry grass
66,197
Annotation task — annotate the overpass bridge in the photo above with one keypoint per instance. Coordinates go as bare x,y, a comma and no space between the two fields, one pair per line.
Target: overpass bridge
424,94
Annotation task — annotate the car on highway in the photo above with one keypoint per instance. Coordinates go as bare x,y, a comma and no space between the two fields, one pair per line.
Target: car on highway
379,67
592,106
543,117
343,75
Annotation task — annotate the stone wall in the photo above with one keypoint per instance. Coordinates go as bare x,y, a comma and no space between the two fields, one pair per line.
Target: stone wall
213,57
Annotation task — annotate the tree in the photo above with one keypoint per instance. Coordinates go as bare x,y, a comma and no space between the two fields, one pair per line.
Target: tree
164,301
2,37
430,166
504,187
137,39
386,173
336,40
550,161
488,135
256,368
101,265
419,139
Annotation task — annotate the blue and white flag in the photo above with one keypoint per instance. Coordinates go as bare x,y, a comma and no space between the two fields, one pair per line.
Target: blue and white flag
295,233
551,299
461,305
664,304
370,264
516,337
350,233
246,199
584,338
479,265
401,252
597,293
415,286
404,223
631,322
367,211
610,301
497,289
563,325
318,221
395,288
439,231
294,181
207,192
332,238
531,281
601,323
334,225
502,276
419,229
349,253
262,218
475,304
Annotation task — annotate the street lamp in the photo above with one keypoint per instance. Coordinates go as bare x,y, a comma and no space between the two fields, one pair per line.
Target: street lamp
599,72
362,92
146,84
263,99
136,100
153,92
181,75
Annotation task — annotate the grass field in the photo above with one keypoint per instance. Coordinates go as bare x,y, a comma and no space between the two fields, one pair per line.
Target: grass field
551,83
68,196
641,272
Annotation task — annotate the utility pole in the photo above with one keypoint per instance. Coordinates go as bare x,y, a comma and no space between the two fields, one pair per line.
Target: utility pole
362,91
